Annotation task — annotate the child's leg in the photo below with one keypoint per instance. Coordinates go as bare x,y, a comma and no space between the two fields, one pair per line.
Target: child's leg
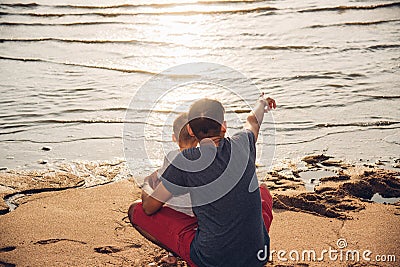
168,228
266,205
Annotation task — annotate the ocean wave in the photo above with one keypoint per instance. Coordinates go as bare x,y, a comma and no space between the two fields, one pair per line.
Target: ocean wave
289,47
320,136
372,47
374,97
78,65
129,42
343,8
317,137
116,14
318,105
53,39
145,72
63,141
67,121
383,46
152,5
62,24
326,75
356,23
80,110
13,117
357,124
12,126
27,125
19,5
288,107
120,109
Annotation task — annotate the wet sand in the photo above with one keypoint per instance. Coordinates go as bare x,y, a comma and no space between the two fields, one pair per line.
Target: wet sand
89,227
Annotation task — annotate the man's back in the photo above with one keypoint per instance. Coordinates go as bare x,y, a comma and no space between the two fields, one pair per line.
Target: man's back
226,203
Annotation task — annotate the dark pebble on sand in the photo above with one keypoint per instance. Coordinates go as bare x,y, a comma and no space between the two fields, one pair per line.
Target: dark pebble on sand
3,168
46,148
43,162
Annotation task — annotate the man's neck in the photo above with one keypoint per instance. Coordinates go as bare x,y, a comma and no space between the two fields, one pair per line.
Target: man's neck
186,146
215,139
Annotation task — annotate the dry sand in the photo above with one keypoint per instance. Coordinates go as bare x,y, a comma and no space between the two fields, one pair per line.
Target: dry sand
89,226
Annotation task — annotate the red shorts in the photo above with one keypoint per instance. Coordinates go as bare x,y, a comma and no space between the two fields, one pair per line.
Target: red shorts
176,230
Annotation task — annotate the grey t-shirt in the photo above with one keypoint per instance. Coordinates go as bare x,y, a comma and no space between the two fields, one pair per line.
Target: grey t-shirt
226,201
179,203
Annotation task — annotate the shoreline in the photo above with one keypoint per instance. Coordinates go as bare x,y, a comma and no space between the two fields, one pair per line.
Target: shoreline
16,184
88,226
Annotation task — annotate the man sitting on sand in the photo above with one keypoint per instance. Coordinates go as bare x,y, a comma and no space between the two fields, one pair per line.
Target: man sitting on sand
232,214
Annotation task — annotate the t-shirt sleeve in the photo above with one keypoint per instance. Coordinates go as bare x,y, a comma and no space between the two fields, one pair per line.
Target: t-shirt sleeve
247,138
174,180
252,141
167,161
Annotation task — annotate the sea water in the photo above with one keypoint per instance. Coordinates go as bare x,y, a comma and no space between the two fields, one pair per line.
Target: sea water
68,72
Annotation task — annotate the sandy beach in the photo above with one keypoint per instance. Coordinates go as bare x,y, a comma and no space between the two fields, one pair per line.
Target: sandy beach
89,226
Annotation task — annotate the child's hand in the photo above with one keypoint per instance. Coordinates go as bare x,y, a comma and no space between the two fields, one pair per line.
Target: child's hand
268,102
152,180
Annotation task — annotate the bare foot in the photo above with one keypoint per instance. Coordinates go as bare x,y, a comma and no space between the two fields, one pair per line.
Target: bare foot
170,259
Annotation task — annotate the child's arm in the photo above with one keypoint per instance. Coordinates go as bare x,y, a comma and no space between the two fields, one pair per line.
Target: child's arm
152,181
152,203
256,116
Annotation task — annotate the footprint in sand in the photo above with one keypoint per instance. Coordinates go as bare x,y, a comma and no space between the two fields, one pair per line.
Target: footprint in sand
56,240
113,249
6,264
7,249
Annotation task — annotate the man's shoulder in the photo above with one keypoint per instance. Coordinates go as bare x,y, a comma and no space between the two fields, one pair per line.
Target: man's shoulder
244,134
243,141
